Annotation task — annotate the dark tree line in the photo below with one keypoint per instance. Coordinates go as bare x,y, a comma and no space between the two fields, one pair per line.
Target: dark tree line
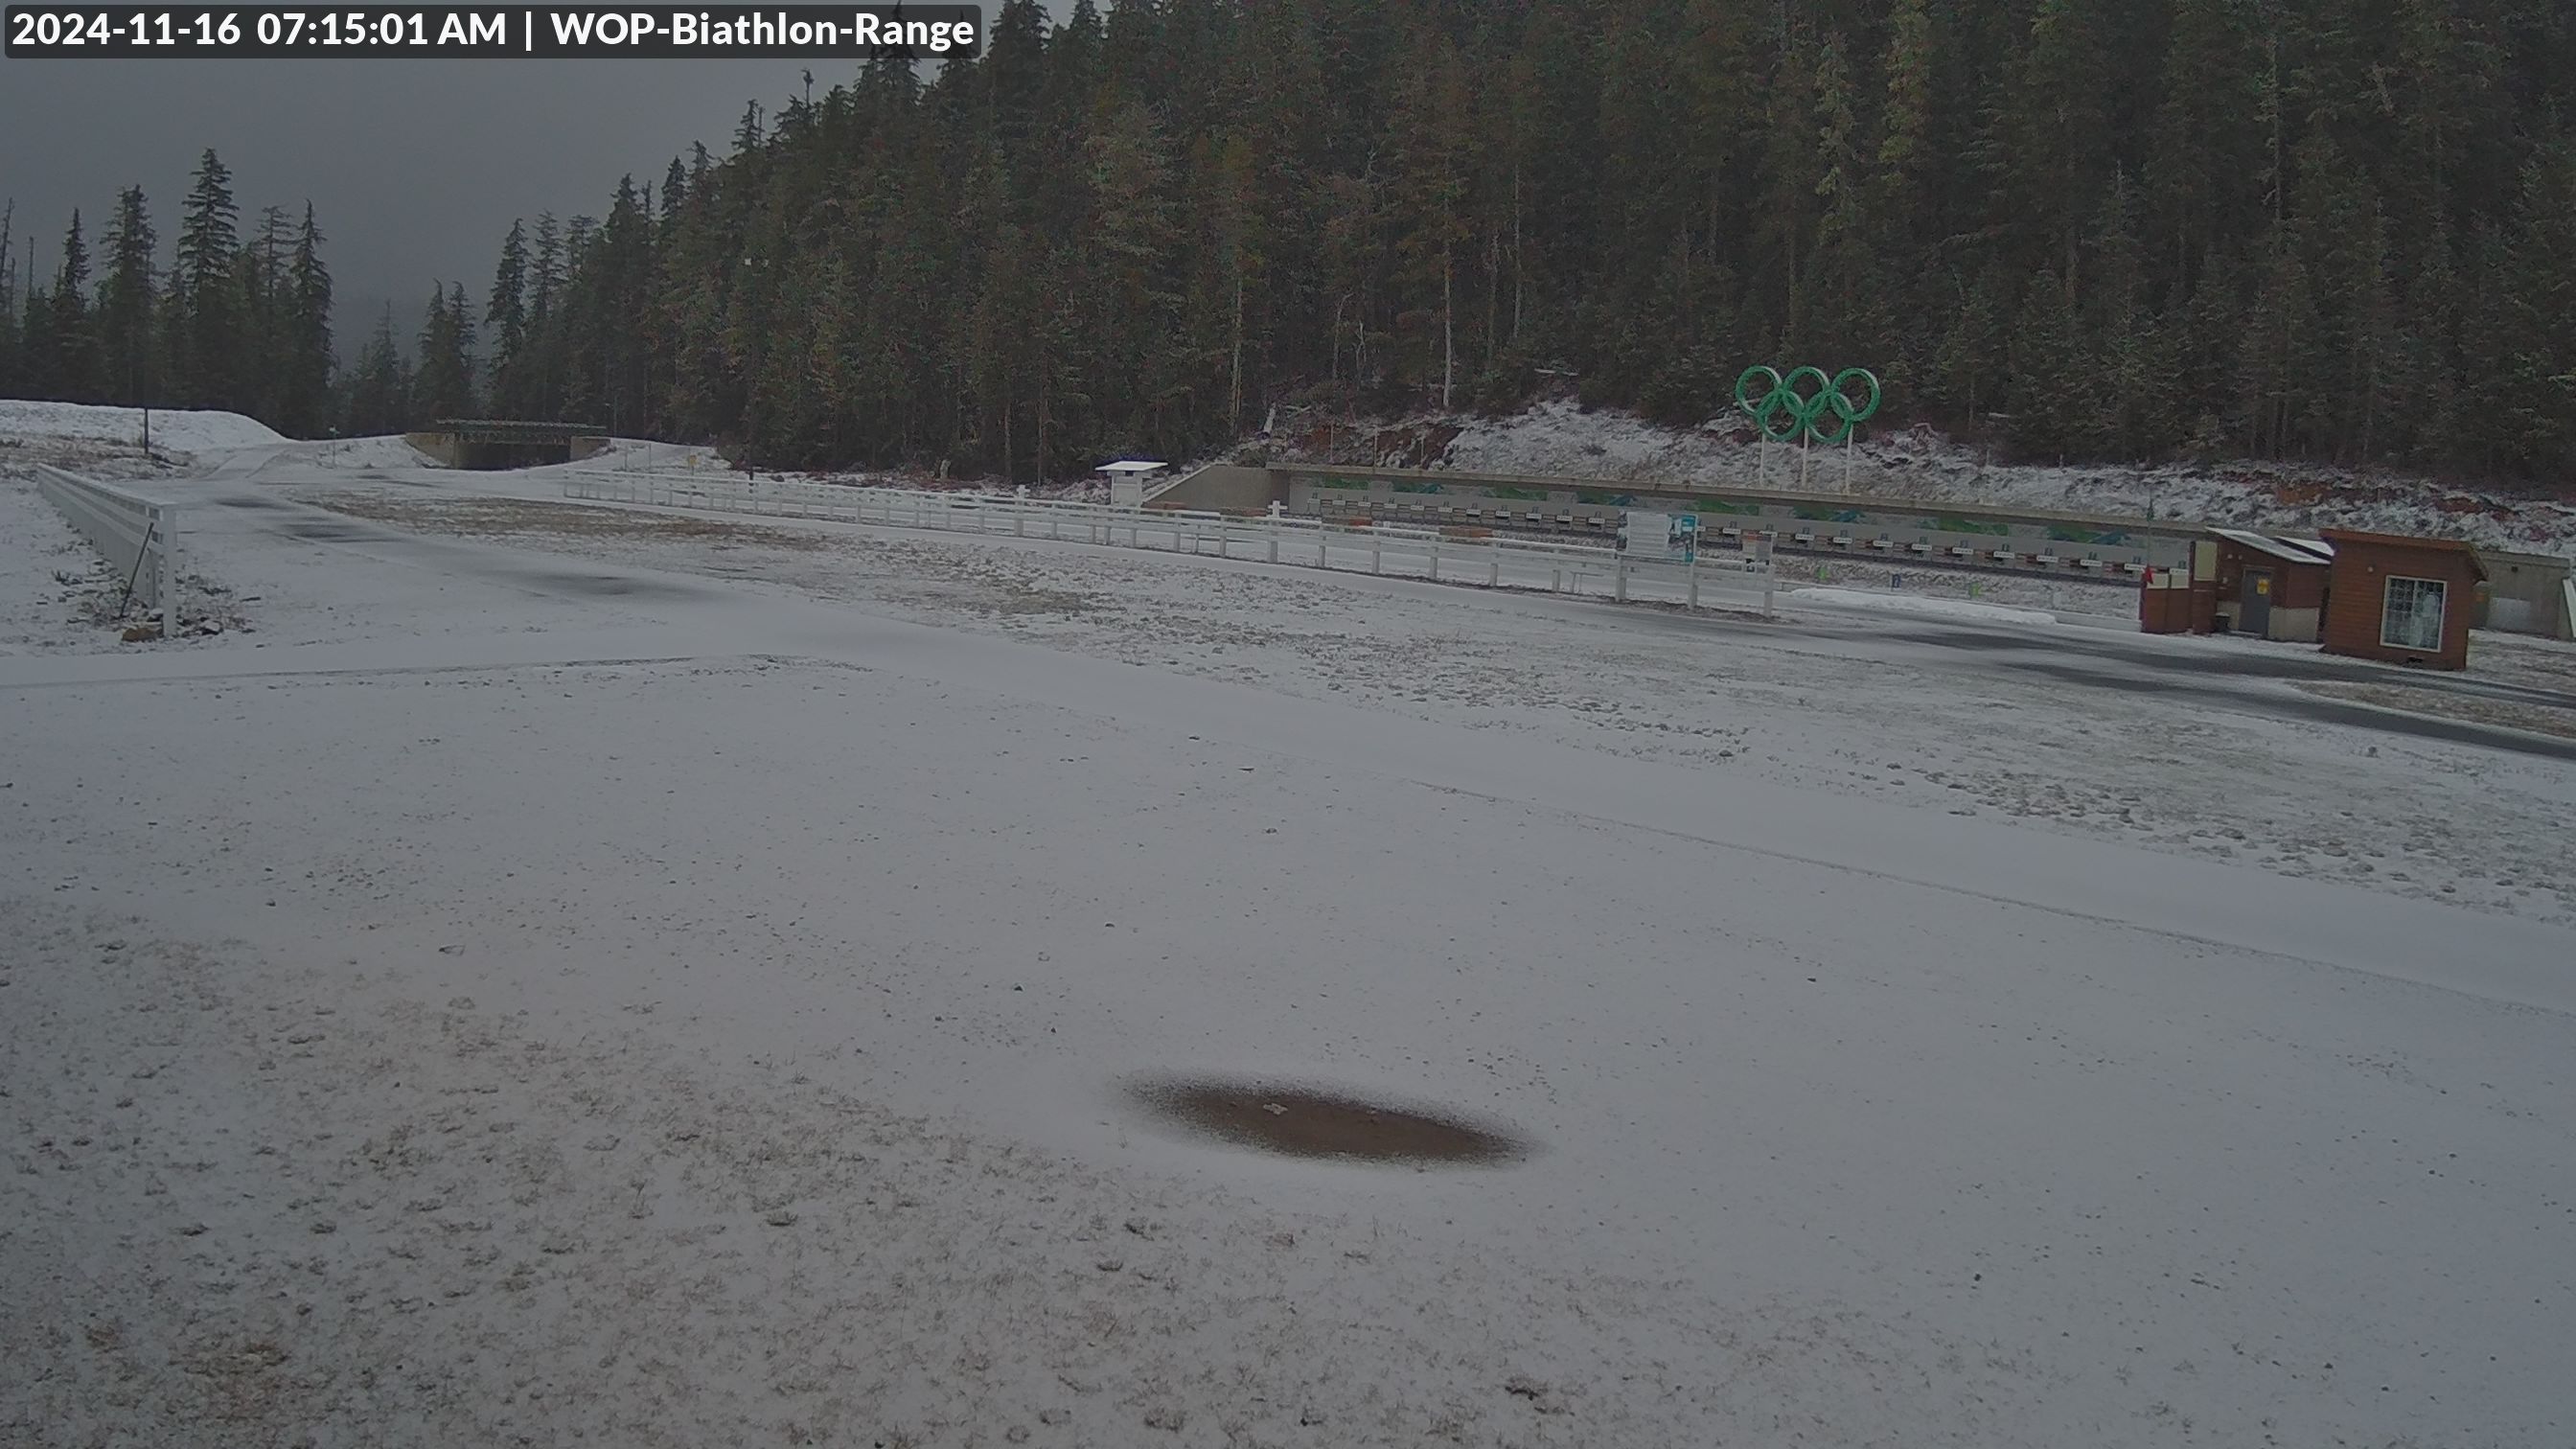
238,321
2341,230
2332,229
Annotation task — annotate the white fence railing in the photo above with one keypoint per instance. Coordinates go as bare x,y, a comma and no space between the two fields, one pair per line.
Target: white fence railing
1450,556
138,536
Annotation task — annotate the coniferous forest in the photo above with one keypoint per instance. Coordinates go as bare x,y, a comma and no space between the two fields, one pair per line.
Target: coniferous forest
2332,230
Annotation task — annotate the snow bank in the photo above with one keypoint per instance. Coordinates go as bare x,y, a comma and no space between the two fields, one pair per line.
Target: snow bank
1921,604
180,431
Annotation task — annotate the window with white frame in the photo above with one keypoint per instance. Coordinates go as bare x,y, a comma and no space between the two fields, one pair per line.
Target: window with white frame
2410,615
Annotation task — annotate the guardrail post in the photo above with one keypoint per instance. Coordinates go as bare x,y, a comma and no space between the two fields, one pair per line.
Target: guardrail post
1020,515
1620,570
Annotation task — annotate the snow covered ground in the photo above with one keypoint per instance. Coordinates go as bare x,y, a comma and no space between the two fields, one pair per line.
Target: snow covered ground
1561,439
584,972
107,442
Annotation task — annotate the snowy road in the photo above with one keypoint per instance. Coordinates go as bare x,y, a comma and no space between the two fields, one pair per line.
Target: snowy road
674,986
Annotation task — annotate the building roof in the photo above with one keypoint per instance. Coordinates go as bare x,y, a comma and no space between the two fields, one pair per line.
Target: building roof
2315,554
1133,465
2341,536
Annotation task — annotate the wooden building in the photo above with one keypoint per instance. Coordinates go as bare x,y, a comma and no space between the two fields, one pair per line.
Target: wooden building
2241,582
2272,588
2405,600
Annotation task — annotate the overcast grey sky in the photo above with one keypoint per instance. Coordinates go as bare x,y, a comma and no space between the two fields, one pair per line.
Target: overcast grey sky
414,168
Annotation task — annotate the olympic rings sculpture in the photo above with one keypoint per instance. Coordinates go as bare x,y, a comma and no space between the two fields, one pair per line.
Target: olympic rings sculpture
1804,413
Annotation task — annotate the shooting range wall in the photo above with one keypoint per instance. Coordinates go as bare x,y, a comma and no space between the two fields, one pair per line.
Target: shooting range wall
2023,540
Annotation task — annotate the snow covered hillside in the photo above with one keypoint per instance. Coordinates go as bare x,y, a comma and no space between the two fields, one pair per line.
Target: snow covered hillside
1558,438
110,440
107,442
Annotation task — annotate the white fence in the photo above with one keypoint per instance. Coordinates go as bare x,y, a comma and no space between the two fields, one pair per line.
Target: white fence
1447,556
138,536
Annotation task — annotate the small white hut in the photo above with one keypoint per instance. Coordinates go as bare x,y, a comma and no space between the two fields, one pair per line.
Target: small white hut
1129,478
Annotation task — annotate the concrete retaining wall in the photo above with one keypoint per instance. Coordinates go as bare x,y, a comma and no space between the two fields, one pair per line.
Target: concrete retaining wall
1227,488
2522,594
2035,541
441,446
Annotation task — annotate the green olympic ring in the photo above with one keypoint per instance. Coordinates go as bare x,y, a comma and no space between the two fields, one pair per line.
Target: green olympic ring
1782,402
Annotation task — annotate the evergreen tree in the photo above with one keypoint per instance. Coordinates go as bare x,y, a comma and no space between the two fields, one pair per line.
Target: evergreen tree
74,342
259,274
443,383
506,313
379,389
209,334
304,385
129,352
39,374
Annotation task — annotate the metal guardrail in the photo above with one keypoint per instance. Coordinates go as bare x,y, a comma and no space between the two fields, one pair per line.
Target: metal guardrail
1446,556
138,536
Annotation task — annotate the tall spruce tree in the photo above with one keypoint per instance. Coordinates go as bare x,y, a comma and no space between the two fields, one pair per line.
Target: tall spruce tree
442,383
379,388
73,333
506,313
210,334
128,304
304,390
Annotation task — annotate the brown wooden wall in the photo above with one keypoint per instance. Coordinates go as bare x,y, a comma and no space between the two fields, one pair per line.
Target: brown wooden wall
2359,590
2294,586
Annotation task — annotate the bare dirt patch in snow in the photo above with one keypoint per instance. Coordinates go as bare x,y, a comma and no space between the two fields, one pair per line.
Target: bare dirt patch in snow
1310,1122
